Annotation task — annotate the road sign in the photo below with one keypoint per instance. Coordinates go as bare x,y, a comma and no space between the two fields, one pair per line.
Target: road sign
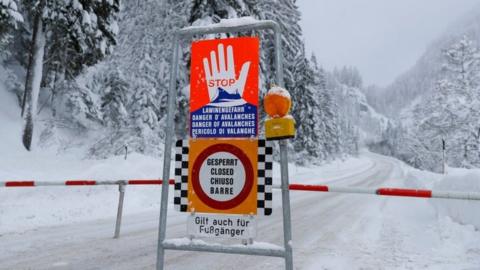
222,226
223,176
227,176
224,88
217,78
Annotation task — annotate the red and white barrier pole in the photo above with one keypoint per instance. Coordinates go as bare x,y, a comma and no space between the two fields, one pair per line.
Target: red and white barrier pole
121,189
31,183
400,192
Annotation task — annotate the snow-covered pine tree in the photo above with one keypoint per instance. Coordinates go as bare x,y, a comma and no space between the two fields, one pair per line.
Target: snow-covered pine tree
75,33
81,33
144,111
306,112
143,56
10,21
450,112
79,102
9,17
140,41
287,15
415,152
114,99
350,137
462,66
462,69
349,76
346,85
177,17
328,111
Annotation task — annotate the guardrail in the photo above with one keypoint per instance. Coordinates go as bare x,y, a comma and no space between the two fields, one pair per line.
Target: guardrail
398,192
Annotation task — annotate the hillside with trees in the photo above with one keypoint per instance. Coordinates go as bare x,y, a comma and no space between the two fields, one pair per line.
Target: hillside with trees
94,75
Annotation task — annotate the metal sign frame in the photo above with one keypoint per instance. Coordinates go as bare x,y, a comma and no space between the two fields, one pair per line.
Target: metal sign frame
286,252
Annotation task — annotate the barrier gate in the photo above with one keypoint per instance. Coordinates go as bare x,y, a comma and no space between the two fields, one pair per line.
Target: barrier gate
165,244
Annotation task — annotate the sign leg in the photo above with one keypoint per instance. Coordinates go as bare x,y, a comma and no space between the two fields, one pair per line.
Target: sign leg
170,134
287,222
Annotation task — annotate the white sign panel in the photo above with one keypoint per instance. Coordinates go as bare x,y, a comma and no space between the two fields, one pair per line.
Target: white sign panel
222,176
222,226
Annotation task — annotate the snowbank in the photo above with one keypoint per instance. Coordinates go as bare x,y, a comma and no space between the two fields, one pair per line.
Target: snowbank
462,180
27,208
420,179
464,212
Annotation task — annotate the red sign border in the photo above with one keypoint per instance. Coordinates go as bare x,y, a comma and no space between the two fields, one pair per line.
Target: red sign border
222,205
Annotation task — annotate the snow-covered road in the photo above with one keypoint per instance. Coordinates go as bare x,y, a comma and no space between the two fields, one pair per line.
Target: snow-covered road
330,231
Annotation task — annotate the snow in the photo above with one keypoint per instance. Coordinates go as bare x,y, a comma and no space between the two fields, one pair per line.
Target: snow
329,231
9,117
186,241
86,18
12,9
228,103
48,206
410,229
37,67
464,212
276,90
223,22
457,179
77,5
115,28
237,21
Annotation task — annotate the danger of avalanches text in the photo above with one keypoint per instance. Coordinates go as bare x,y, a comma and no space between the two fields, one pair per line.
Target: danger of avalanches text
222,178
224,227
221,123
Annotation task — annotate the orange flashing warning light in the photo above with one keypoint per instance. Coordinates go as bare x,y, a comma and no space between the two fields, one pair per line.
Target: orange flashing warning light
277,102
280,125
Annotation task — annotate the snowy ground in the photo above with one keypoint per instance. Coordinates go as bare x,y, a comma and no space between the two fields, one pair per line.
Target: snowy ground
330,231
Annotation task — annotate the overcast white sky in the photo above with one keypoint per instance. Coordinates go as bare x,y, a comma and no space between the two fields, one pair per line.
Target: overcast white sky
383,38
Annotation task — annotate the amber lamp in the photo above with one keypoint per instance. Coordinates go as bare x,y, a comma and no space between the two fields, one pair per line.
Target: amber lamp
280,125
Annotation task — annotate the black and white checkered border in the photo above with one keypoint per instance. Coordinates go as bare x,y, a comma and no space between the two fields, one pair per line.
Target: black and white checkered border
264,179
180,199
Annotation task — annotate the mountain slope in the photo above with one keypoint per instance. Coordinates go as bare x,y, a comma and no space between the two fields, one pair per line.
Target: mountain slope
420,80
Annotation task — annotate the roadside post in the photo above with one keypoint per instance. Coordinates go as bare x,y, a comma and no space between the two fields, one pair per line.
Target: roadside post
121,196
444,162
223,171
